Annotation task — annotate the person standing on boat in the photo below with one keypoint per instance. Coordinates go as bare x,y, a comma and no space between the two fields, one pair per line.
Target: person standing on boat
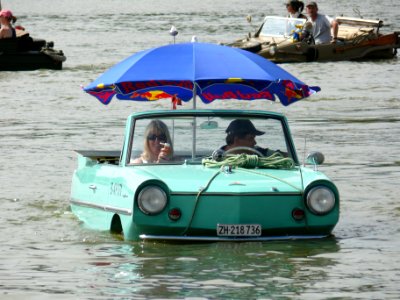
321,25
295,8
6,29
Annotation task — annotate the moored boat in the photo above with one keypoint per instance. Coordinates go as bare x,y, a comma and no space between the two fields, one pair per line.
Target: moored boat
25,53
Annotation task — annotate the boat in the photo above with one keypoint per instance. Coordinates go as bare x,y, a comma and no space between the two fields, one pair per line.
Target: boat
204,192
25,53
286,40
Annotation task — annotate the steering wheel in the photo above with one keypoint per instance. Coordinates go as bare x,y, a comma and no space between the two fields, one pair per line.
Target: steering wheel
243,148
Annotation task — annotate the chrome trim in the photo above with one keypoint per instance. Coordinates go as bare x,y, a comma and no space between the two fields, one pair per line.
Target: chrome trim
117,210
237,194
232,239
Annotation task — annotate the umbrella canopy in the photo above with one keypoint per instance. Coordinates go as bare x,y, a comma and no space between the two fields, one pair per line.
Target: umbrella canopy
188,70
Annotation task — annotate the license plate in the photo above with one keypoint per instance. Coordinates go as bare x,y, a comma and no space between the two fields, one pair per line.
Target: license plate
238,230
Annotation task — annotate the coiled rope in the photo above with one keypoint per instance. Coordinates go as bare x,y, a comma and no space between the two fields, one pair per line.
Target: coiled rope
250,161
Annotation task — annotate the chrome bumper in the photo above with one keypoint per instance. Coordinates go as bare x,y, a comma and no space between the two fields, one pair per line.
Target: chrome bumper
228,239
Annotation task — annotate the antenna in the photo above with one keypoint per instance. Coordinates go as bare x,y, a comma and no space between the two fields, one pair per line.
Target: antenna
249,19
356,10
304,151
173,32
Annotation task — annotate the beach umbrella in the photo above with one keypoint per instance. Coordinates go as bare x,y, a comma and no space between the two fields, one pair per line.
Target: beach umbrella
189,70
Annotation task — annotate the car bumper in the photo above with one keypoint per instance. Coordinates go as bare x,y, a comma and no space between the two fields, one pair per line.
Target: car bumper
228,239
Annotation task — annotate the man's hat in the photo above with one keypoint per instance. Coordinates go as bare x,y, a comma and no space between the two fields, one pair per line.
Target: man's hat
242,126
312,3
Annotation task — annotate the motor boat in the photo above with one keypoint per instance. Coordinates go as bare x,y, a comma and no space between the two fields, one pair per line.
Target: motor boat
25,53
285,40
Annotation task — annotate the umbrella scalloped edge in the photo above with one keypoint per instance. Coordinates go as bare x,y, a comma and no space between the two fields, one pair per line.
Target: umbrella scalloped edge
285,90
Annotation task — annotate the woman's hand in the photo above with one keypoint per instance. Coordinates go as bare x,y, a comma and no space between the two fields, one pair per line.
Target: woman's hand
164,152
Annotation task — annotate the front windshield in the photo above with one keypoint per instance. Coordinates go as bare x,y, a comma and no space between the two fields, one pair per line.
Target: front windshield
266,135
280,27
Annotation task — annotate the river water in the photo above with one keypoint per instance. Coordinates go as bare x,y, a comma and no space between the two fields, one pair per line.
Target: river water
45,253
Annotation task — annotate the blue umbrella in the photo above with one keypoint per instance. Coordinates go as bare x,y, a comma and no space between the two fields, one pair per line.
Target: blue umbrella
188,70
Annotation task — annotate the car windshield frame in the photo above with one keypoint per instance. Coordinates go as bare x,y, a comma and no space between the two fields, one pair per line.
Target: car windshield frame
196,154
279,26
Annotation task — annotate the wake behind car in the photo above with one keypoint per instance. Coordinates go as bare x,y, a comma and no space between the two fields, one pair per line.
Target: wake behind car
200,186
283,40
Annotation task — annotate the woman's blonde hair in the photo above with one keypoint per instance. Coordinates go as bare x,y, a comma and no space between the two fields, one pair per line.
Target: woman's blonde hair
155,127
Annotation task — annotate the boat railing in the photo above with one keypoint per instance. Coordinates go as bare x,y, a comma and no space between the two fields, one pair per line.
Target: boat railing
359,22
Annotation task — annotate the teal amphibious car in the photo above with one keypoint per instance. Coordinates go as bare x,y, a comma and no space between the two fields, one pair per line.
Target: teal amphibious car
201,187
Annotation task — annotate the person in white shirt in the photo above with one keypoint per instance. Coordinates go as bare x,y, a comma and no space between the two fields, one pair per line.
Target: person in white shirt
321,25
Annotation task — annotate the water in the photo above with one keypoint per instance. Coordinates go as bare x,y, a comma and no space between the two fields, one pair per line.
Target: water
45,253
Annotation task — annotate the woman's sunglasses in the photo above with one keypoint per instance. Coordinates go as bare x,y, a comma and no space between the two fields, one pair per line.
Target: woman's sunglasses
153,137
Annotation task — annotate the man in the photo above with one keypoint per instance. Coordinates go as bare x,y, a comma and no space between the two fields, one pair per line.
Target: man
242,133
321,25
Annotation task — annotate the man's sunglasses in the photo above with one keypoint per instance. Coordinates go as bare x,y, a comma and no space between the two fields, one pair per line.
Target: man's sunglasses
153,137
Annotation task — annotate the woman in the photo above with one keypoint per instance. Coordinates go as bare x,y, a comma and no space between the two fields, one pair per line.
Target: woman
294,8
6,29
157,144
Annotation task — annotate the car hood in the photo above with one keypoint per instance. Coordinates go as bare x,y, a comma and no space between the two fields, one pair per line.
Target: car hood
192,178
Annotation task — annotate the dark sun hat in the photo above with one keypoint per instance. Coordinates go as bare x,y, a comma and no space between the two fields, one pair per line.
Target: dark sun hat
242,126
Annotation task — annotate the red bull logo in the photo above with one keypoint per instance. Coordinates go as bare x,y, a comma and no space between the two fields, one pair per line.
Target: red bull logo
297,94
129,87
237,94
151,95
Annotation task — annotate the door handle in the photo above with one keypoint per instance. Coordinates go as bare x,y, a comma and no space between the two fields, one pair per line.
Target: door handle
92,187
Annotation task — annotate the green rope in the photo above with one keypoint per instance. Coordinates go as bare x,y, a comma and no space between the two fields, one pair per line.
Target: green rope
274,161
274,177
202,190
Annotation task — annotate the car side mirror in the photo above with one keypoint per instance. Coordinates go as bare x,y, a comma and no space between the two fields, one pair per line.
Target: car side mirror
315,158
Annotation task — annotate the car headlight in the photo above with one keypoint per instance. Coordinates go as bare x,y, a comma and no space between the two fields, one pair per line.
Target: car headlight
152,200
320,200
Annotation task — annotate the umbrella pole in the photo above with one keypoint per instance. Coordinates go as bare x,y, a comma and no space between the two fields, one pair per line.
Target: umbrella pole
194,138
194,124
194,96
